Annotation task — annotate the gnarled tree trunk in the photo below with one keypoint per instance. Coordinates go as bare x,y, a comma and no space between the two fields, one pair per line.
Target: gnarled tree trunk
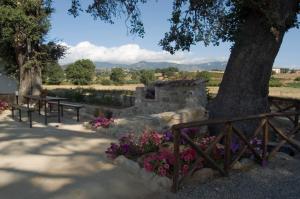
30,79
245,86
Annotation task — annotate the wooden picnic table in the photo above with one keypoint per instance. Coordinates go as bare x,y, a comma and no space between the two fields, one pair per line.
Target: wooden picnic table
45,100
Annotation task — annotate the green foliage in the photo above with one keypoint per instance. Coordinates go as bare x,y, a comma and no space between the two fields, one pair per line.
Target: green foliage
53,74
213,82
118,75
192,21
204,75
135,75
147,76
186,75
106,82
294,85
81,72
275,82
118,98
297,79
170,71
23,27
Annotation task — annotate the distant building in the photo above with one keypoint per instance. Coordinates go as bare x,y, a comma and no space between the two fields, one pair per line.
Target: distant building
276,70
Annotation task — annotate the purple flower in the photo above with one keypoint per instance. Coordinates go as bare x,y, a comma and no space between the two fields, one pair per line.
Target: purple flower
125,148
235,147
168,136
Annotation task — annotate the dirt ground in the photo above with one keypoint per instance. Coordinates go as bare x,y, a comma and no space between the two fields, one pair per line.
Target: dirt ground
61,161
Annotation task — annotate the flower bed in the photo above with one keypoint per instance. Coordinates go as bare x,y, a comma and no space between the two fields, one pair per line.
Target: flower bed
153,151
3,106
99,122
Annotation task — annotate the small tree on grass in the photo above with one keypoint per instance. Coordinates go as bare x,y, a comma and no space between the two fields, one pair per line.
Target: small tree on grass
118,75
53,74
81,72
147,76
204,74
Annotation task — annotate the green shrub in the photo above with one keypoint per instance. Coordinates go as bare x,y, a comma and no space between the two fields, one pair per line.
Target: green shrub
204,75
93,96
53,74
294,85
81,72
213,82
147,76
297,79
275,82
118,76
106,82
132,81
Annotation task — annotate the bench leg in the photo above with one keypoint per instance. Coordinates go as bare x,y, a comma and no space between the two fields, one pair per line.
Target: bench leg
62,111
30,118
20,115
12,112
77,110
46,119
50,107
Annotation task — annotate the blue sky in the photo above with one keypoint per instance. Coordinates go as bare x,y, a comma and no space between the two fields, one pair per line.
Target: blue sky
96,40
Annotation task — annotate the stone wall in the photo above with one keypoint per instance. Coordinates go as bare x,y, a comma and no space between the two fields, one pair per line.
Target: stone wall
170,96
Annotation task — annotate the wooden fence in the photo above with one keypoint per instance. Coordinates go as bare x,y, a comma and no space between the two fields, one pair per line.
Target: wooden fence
265,130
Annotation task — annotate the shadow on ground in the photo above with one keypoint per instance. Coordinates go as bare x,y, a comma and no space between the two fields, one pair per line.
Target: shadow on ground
60,162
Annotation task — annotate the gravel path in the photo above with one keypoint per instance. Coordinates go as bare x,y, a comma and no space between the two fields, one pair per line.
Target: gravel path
280,179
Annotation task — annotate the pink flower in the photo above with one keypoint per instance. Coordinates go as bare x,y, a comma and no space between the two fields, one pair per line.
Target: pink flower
163,172
185,169
166,166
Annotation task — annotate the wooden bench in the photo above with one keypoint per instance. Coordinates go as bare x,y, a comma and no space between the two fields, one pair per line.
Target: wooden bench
20,109
77,107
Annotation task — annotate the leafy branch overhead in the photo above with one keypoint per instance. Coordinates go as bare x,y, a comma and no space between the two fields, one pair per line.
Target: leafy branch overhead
192,21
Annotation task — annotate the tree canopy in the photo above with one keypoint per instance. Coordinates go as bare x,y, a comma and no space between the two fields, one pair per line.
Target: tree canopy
192,21
81,72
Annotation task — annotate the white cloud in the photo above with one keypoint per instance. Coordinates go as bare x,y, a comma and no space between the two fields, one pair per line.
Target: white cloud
128,54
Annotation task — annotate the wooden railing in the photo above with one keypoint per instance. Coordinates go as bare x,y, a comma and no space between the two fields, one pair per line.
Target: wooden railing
231,131
281,104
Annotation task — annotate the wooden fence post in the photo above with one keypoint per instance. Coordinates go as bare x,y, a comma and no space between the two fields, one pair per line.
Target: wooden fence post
175,185
297,107
265,142
227,157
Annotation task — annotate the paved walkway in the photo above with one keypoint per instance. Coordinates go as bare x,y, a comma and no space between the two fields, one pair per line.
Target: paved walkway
65,162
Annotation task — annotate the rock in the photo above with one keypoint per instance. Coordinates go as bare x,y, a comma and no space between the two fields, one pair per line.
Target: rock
282,156
200,176
146,176
87,125
183,115
128,164
247,163
160,183
237,166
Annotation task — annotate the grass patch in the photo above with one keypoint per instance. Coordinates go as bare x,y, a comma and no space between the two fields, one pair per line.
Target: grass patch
293,85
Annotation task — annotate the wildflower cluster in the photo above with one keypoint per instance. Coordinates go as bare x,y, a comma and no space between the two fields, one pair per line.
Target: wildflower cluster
101,122
161,163
158,159
128,146
150,141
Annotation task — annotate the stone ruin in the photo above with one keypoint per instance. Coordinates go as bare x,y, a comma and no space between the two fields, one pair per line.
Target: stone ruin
164,96
162,105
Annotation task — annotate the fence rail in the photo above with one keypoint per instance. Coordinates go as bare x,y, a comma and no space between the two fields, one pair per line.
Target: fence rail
232,134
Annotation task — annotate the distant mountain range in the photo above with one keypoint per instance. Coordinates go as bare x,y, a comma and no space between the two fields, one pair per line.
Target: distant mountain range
214,65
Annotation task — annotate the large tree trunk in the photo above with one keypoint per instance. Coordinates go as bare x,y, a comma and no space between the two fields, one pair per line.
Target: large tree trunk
30,79
245,85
